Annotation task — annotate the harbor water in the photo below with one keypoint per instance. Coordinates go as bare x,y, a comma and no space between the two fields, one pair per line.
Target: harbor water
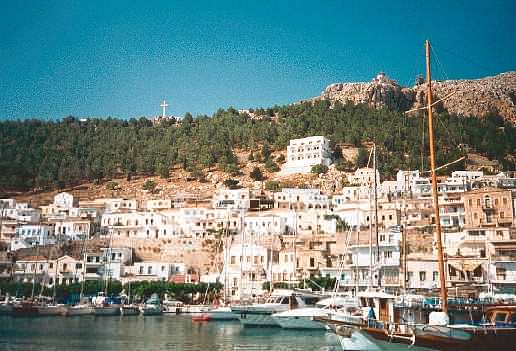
153,333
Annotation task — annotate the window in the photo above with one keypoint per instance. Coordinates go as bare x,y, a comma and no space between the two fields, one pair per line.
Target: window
141,270
422,276
78,266
502,214
504,200
149,270
312,262
232,259
435,276
387,254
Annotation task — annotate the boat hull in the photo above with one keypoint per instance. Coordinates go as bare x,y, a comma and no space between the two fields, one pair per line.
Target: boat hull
222,316
446,339
301,322
151,311
79,311
51,310
107,311
24,311
5,308
129,311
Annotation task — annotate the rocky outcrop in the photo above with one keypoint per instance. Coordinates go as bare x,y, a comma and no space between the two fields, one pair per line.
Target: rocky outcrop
474,97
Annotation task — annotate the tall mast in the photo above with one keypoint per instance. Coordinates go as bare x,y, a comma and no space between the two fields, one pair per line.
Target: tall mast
435,195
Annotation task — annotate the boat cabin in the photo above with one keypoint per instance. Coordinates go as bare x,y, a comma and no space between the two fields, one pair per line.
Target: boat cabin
502,316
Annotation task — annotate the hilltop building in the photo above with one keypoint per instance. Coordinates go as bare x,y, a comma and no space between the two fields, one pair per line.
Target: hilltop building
304,153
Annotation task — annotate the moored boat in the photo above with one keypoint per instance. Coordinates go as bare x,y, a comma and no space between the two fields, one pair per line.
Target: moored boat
222,313
129,310
51,310
79,310
305,318
152,306
24,309
260,315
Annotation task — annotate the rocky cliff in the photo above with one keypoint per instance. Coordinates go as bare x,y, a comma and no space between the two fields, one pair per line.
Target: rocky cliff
474,97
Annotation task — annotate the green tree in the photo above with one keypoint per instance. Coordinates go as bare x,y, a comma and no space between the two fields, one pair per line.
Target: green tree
149,185
320,168
256,174
271,166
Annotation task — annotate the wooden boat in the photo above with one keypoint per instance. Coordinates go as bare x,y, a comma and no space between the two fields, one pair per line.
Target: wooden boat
24,309
498,333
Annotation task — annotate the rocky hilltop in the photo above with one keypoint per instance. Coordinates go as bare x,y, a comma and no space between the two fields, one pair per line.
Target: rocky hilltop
474,97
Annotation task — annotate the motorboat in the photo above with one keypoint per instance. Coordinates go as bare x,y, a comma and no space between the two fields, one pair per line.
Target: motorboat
279,301
304,318
221,313
172,306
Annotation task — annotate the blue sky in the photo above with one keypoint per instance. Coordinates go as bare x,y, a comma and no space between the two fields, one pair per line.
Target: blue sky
121,58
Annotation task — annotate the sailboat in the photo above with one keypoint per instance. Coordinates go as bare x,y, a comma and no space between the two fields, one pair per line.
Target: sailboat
499,331
127,308
84,307
223,312
46,307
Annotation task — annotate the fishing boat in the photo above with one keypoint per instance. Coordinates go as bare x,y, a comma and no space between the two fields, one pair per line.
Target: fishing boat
305,318
152,306
260,314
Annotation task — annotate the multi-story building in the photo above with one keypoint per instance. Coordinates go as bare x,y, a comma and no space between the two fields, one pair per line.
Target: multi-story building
304,153
489,207
231,198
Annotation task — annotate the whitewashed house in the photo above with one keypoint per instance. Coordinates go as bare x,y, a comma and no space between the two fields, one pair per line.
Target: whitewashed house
304,153
231,198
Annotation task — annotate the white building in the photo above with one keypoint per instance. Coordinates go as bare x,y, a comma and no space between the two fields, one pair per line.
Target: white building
248,268
231,198
65,200
304,153
32,235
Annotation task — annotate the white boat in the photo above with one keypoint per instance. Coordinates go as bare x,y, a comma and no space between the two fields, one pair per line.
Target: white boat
196,309
261,314
304,318
79,310
222,313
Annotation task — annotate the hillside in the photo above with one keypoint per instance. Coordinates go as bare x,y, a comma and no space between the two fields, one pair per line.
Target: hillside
45,155
475,97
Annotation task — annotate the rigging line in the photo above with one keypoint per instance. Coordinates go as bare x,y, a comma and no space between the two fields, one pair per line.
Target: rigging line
446,164
433,104
439,63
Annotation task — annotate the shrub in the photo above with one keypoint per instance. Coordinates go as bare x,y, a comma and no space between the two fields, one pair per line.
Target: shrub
231,183
112,185
280,159
256,174
271,166
272,185
149,185
320,168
